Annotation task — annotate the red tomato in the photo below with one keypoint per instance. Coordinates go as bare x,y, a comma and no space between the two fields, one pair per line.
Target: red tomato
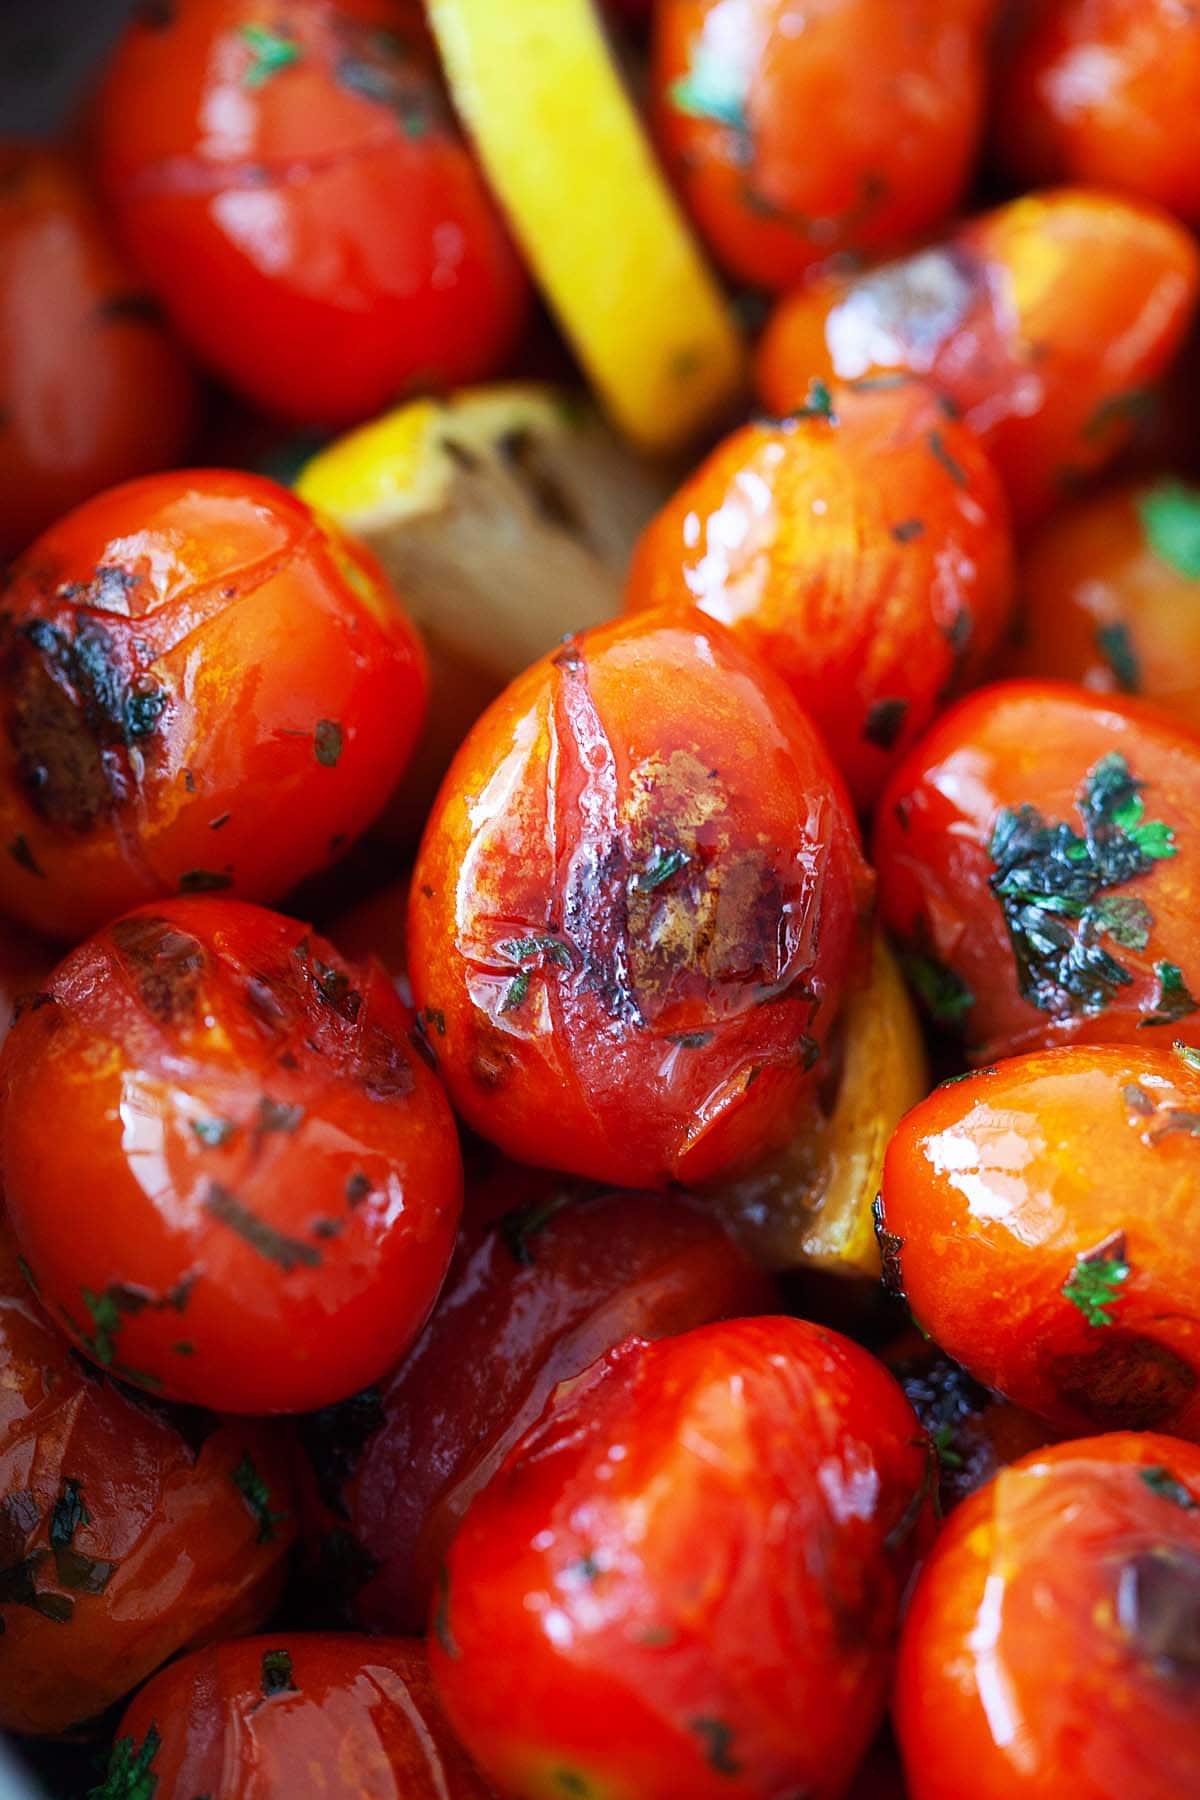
126,1533
635,906
861,548
1039,862
686,1578
92,387
274,1174
1046,322
1053,1643
347,1718
203,688
293,185
896,85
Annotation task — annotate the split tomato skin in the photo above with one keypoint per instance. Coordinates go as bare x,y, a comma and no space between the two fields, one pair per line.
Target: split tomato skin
706,1543
635,908
1046,322
204,687
897,84
93,388
860,547
127,1533
1039,860
357,1715
1040,1219
1051,1643
274,1171
295,190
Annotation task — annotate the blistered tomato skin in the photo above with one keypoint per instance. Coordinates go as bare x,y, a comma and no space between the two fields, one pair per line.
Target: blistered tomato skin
635,908
705,1545
897,85
125,1535
345,1717
1053,1643
1046,322
294,188
1039,862
92,387
203,688
1040,1219
860,547
271,1170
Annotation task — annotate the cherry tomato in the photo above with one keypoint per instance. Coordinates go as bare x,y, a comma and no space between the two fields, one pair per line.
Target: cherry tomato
1053,1643
860,547
545,1279
273,1174
635,906
291,182
127,1532
1046,322
1039,1217
686,1578
1111,596
897,86
203,687
92,387
1106,91
1039,861
268,1718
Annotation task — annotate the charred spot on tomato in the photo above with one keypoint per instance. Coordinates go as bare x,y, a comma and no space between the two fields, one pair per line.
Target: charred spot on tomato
491,1061
328,739
885,722
1157,1607
357,1188
287,1253
166,964
23,856
1126,1382
907,531
384,1070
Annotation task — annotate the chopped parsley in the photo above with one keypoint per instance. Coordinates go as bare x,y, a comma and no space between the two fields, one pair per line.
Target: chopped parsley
666,864
287,1253
1160,1481
67,1514
23,856
1175,999
129,1774
1095,1283
214,1132
521,949
908,530
523,1222
1170,516
328,739
277,1674
257,1495
952,466
818,404
711,90
516,991
945,994
1188,1056
1116,647
270,53
1130,407
717,1739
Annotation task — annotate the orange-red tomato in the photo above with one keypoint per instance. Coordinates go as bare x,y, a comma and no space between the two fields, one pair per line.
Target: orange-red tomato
203,687
686,1579
127,1533
1106,91
348,1718
1040,1218
896,86
1046,322
271,1172
1053,1643
92,387
292,184
861,548
1039,864
635,907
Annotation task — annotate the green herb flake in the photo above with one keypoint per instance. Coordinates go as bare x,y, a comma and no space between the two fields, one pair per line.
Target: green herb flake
270,53
358,1187
277,1115
1095,1283
1116,647
885,722
515,993
204,881
85,1574
23,856
435,1017
711,89
67,1514
328,739
214,1132
1160,1481
1128,408
1189,1057
907,531
943,1442
1175,999
287,1253
1170,516
952,466
523,1222
944,993
277,1674
665,864
818,403
521,949
257,1495
130,1774
717,1739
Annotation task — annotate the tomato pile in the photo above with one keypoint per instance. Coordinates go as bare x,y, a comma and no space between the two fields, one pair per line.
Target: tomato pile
600,859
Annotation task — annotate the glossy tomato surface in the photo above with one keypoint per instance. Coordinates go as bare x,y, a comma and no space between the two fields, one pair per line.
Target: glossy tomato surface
635,908
1053,1643
203,688
1038,858
293,186
128,1532
1047,322
271,1171
860,547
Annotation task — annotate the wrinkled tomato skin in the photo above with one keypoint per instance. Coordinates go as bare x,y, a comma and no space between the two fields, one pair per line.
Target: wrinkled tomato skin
865,556
545,1279
167,1551
1106,91
1051,1644
898,88
639,883
1040,744
310,217
1110,600
705,1542
93,389
203,687
1045,1215
1045,322
272,1170
350,1718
